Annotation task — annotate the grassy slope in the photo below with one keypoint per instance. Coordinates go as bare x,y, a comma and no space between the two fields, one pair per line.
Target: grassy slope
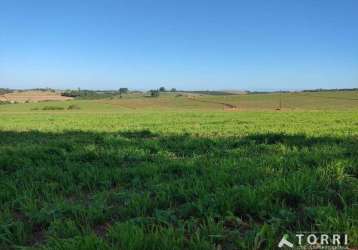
293,101
146,179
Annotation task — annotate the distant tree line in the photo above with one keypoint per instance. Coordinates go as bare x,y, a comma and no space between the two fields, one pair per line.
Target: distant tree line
99,94
209,92
163,89
94,94
5,91
329,90
154,92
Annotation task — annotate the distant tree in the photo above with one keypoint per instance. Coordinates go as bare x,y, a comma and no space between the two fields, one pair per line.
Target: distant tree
71,93
173,90
122,91
162,89
154,92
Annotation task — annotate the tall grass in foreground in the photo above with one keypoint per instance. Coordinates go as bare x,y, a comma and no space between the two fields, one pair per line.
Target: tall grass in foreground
222,181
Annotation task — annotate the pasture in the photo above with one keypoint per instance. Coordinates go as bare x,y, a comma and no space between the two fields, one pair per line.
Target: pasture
178,172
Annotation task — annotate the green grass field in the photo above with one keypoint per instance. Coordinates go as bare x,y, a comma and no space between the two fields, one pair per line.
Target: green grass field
178,173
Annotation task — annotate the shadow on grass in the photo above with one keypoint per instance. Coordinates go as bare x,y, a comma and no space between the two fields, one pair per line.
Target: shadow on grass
172,190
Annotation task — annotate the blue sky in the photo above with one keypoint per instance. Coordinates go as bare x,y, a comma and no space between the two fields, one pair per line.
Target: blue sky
187,44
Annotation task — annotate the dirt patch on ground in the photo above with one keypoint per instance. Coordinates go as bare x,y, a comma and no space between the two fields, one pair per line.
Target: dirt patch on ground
33,96
230,107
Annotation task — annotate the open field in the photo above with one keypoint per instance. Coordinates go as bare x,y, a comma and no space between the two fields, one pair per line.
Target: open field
316,101
178,173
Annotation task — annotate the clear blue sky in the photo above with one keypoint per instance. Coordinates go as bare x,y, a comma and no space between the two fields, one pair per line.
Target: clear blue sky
187,44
